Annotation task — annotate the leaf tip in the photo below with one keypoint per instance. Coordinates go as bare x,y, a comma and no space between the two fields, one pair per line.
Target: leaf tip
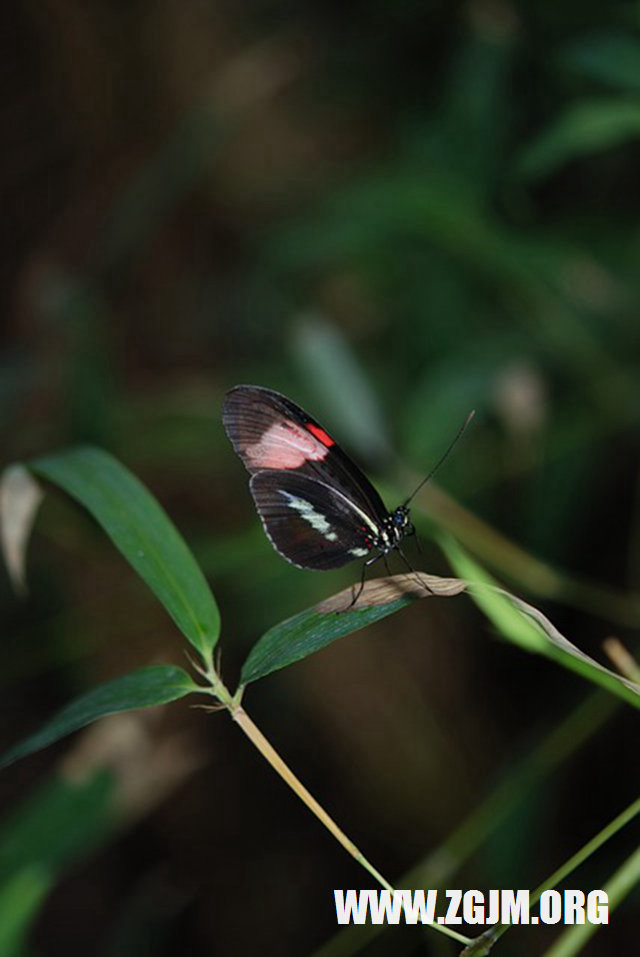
20,498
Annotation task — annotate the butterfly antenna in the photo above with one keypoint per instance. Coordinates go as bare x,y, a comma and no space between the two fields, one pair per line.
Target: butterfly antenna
442,459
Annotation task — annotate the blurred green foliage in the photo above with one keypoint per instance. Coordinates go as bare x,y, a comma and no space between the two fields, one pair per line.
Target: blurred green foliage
393,213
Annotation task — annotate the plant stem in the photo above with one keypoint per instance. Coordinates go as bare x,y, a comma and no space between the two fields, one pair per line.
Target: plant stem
574,938
445,860
483,944
601,838
257,738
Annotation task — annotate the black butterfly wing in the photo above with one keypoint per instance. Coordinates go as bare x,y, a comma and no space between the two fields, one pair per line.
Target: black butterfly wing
269,431
311,524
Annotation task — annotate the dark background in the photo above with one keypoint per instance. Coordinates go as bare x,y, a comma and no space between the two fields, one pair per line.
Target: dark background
393,213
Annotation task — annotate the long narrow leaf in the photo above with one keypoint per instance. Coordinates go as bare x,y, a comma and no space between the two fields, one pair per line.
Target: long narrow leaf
20,900
144,534
585,127
158,684
57,825
526,626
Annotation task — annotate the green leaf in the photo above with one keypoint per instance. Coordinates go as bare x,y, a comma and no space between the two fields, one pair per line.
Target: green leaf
158,684
525,625
144,534
59,824
313,629
612,58
332,369
586,127
20,900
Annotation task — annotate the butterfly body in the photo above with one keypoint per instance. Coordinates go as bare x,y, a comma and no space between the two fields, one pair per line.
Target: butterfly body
318,509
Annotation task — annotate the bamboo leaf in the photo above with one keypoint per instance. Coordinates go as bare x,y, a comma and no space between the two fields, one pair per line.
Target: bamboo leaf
584,128
611,58
20,900
158,684
142,531
526,626
62,822
314,629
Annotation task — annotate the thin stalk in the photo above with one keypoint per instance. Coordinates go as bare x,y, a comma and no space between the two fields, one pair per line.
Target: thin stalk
217,689
259,741
265,748
585,852
624,880
483,944
444,861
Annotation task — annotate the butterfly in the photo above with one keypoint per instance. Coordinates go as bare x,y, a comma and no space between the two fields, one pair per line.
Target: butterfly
317,507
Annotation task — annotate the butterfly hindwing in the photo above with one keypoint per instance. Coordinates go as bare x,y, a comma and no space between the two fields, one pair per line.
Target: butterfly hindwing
311,524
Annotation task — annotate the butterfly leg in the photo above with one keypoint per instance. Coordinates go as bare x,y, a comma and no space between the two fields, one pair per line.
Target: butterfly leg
369,561
359,591
413,571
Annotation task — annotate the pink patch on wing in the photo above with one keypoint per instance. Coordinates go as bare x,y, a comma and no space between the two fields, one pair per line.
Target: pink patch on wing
320,434
284,445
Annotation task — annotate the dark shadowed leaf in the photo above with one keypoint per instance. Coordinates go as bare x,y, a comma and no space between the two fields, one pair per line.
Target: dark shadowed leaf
313,629
156,685
142,531
582,129
57,825
611,58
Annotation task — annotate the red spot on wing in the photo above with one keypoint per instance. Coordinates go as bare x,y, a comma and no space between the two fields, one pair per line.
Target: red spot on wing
320,434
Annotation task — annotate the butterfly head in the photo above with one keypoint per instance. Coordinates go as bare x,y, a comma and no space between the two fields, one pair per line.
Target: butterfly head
401,523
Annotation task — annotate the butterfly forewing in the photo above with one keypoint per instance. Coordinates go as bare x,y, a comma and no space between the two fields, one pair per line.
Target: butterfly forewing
269,431
317,507
310,523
